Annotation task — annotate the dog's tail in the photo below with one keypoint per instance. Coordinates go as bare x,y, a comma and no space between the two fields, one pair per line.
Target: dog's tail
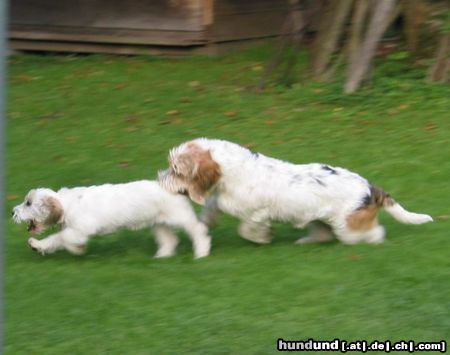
384,200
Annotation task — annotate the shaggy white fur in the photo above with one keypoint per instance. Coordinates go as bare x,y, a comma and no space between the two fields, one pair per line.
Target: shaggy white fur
258,190
97,210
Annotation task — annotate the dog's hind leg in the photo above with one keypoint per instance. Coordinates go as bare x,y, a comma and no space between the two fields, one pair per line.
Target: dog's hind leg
198,232
360,226
166,240
318,233
374,235
255,232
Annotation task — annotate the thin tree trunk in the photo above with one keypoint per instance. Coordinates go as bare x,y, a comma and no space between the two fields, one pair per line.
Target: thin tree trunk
361,10
415,16
291,36
375,31
329,34
439,71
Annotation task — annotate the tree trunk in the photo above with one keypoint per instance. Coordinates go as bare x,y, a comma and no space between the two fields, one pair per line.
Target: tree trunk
360,12
375,31
415,16
330,31
291,37
439,71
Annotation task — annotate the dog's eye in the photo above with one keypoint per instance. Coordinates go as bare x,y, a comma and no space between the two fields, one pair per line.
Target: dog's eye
28,203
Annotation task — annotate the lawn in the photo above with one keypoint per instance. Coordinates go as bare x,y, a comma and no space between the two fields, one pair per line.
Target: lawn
82,120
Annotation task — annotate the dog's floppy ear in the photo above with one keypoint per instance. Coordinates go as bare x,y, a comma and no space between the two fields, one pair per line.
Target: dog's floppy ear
206,174
185,165
56,210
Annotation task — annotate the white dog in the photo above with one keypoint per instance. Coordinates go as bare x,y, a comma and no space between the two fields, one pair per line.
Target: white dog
96,210
258,190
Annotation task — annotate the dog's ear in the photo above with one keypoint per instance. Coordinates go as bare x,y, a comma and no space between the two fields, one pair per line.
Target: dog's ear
55,210
206,174
185,165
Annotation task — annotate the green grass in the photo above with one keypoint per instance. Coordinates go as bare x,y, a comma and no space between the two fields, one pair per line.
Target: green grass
95,119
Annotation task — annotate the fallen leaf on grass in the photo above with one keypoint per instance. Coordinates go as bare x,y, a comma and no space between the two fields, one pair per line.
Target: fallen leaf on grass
59,158
354,257
186,99
444,217
25,78
12,197
123,164
430,126
120,86
131,119
172,112
257,67
194,84
231,113
131,129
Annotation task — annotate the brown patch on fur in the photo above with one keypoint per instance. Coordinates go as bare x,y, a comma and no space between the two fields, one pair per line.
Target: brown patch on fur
206,175
199,171
379,197
363,219
56,211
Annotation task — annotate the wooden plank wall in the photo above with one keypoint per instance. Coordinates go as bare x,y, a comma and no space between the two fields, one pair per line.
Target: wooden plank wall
161,22
121,25
249,19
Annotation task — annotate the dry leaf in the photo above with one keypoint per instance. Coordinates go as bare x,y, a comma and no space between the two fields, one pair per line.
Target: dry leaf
59,158
354,257
185,99
194,84
231,113
430,126
131,119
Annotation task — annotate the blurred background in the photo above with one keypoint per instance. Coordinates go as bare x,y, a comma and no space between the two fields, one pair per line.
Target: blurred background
99,91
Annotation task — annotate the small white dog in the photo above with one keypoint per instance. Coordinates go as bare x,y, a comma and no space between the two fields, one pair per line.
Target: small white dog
258,190
97,210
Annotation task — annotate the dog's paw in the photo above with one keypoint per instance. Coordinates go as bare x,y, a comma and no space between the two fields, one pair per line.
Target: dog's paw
202,248
34,244
164,254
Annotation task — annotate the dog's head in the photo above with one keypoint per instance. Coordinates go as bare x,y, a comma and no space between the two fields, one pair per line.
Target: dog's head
192,170
41,209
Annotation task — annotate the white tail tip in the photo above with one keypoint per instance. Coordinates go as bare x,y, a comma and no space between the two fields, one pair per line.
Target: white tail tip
404,216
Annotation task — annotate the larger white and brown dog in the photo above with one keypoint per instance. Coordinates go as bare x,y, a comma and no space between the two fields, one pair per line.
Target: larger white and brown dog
97,210
258,190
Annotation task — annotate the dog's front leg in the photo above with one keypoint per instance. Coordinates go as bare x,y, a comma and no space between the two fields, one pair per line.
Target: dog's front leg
166,239
68,239
47,245
210,211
